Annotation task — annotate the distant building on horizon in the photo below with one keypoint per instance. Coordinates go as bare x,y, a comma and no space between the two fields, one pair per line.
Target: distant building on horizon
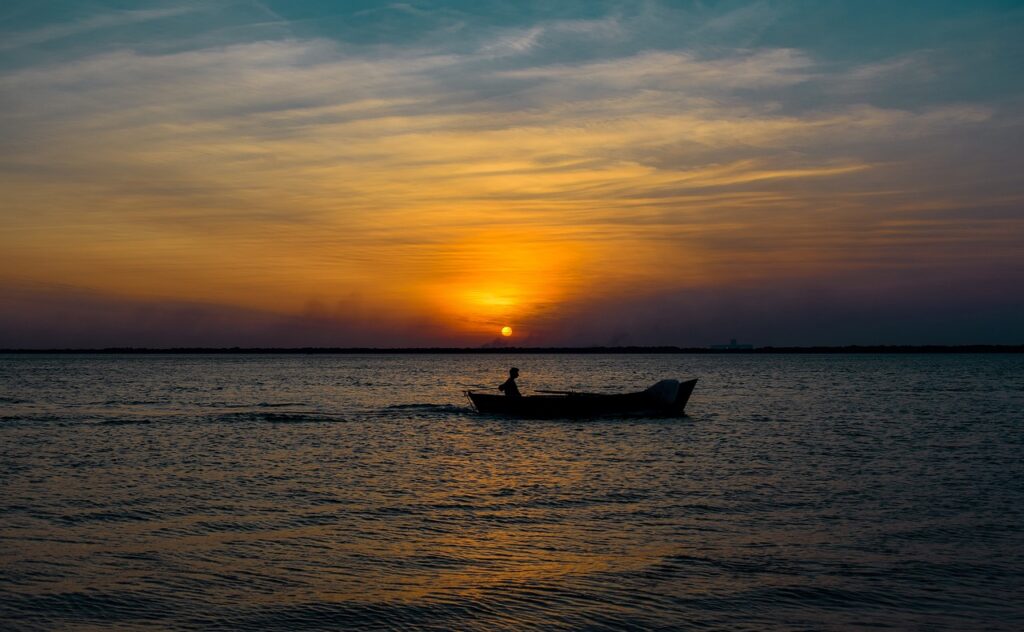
733,345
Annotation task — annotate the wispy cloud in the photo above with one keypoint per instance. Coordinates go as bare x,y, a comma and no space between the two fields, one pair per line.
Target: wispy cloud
679,71
94,23
523,40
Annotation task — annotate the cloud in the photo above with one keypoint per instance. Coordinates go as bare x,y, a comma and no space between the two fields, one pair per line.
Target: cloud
890,310
518,41
46,316
87,25
679,71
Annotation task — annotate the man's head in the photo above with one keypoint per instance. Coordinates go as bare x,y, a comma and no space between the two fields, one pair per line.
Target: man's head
513,372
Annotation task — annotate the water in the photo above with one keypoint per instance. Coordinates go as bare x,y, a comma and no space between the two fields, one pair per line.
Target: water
360,492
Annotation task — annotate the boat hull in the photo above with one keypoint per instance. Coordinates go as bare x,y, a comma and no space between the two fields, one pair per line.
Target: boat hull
649,403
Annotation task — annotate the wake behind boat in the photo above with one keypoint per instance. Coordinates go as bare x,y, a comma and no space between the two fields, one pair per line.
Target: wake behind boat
667,398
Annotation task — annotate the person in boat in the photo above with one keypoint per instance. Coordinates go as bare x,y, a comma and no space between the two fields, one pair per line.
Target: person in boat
509,387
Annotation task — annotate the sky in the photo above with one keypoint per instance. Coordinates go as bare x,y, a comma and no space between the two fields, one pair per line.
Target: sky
425,173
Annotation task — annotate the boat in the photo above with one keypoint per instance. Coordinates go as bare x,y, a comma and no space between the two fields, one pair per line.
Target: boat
667,398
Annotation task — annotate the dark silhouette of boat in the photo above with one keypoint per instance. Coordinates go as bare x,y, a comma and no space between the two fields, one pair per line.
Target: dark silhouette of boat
667,398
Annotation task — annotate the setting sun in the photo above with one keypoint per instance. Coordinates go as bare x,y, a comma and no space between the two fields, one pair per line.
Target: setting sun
506,331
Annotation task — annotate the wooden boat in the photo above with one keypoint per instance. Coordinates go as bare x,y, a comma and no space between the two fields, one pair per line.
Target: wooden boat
667,398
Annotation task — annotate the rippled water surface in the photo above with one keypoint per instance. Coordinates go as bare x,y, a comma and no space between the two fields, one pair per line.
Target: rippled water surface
361,492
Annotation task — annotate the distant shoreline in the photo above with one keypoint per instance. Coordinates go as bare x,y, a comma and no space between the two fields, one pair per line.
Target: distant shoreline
849,349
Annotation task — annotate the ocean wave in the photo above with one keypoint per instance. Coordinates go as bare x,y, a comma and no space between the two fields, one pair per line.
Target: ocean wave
256,405
434,408
123,422
278,417
74,608
14,400
35,418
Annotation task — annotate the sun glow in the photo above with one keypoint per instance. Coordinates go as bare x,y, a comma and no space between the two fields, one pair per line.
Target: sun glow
488,279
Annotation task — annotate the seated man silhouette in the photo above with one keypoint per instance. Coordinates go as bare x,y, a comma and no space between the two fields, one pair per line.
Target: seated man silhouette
509,387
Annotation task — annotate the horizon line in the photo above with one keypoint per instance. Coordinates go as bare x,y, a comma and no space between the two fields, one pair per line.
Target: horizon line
653,349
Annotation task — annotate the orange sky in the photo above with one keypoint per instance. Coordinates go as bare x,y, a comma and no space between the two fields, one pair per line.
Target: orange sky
453,188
